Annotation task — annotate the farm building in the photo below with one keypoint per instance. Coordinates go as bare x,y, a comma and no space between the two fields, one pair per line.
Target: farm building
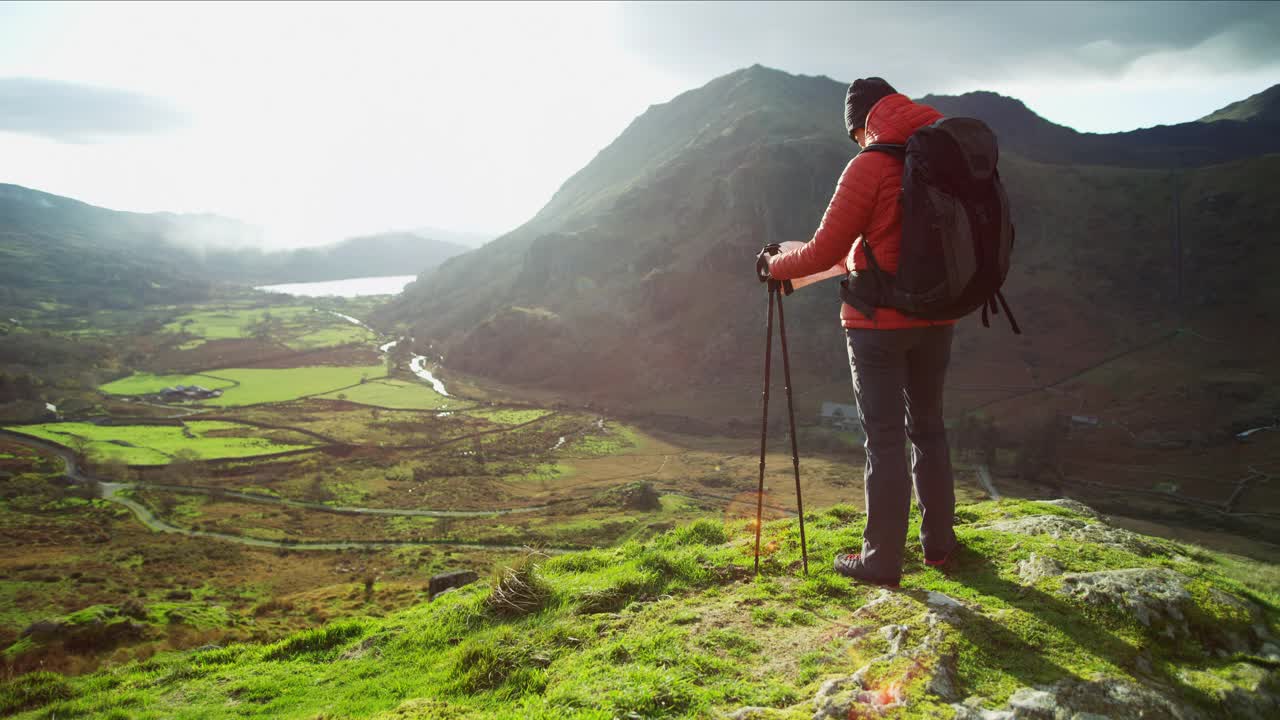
840,416
188,392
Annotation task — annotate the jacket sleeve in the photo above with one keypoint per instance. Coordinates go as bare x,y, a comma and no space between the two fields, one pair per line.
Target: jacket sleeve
846,218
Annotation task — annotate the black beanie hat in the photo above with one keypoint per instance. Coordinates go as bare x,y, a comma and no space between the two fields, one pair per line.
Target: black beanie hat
863,94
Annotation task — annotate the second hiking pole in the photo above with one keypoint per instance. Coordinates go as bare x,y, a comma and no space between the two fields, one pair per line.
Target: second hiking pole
775,295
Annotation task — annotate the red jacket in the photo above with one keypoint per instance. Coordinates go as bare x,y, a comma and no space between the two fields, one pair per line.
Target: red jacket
865,209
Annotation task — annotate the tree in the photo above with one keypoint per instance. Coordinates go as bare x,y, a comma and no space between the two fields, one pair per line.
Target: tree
266,328
79,445
114,468
182,466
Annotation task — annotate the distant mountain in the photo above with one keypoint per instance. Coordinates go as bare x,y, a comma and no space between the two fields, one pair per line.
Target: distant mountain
457,237
58,250
398,253
633,286
1245,130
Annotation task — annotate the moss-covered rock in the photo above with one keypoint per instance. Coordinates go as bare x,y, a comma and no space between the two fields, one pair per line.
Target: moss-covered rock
1058,527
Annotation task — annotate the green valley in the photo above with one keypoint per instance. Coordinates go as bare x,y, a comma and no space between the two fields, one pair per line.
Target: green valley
531,485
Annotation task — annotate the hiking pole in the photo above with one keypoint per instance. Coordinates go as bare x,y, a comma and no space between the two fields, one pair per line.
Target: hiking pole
764,420
791,415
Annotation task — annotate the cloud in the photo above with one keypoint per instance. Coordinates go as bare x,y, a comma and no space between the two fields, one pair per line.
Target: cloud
75,113
929,47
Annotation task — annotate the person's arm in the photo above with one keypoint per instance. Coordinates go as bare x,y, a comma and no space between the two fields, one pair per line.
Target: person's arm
846,218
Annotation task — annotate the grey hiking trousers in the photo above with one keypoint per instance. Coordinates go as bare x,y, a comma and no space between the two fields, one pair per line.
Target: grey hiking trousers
897,380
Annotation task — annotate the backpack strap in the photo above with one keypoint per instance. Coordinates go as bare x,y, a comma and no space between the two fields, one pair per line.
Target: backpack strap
887,148
991,305
883,281
1008,313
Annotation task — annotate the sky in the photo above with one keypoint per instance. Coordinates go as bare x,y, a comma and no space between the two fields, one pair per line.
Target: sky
323,121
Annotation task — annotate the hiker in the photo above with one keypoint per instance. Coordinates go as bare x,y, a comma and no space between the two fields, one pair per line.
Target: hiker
898,362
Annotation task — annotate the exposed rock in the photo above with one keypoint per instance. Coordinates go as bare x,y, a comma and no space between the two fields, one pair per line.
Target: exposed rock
850,696
835,698
755,713
1159,598
1074,506
447,581
941,601
1058,527
1036,568
1082,700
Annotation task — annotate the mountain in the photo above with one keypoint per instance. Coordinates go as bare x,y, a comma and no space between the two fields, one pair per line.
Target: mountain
1262,107
1046,611
633,287
457,237
55,249
397,253
1242,130
58,250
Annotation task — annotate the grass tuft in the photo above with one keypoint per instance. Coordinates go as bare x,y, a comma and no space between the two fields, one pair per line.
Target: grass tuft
316,641
519,589
33,690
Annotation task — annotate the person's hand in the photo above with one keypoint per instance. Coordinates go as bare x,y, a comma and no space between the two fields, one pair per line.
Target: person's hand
762,261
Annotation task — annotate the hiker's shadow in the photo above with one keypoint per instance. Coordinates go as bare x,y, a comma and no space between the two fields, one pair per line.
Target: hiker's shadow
998,646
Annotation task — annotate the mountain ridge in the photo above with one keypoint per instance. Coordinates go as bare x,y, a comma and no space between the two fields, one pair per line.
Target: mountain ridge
638,268
132,259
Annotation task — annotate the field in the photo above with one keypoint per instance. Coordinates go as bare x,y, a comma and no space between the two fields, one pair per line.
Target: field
396,395
252,386
157,444
147,383
508,417
267,385
297,327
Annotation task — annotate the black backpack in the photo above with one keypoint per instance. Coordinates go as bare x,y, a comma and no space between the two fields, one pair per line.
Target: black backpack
956,232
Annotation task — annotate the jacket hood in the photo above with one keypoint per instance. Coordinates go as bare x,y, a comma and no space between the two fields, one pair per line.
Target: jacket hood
895,117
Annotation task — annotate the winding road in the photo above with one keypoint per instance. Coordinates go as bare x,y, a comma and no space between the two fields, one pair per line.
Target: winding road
111,491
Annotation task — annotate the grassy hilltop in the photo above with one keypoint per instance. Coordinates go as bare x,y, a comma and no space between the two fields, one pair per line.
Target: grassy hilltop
1048,606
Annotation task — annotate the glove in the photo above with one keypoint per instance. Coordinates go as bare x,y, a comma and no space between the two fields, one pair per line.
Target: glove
762,261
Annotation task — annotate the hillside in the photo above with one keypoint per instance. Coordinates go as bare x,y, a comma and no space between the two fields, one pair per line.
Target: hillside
132,260
121,259
1047,612
1261,107
633,287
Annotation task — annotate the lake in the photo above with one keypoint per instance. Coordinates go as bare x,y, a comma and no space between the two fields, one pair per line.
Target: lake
350,287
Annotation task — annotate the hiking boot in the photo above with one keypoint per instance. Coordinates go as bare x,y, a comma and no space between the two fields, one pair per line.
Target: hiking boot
850,565
941,560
